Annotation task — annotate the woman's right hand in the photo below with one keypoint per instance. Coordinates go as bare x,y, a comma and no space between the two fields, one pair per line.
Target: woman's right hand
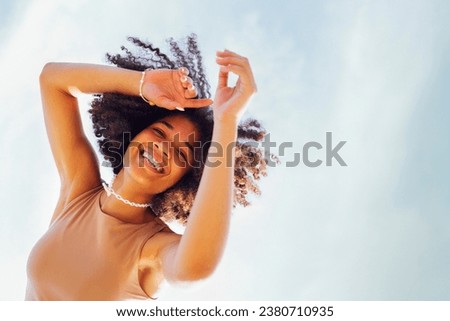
171,89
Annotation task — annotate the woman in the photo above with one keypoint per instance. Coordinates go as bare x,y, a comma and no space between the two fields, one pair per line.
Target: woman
109,241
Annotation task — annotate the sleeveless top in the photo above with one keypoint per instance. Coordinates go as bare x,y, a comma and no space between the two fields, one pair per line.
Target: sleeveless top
87,254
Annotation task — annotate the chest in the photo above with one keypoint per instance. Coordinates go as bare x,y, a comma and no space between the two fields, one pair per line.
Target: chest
84,260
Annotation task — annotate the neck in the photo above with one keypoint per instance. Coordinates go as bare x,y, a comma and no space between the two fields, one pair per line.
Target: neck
130,190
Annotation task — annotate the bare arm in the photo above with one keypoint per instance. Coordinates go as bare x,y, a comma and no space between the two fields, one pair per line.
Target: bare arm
74,156
60,82
198,252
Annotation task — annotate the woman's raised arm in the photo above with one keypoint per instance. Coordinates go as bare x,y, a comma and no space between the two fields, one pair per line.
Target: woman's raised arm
60,83
196,255
74,156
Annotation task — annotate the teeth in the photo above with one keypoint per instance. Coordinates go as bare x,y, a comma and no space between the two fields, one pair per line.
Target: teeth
152,161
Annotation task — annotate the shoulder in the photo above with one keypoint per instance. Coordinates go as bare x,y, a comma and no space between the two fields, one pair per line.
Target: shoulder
68,197
74,189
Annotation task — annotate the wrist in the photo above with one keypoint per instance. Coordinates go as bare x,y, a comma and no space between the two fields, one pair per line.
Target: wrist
225,131
228,124
226,121
145,79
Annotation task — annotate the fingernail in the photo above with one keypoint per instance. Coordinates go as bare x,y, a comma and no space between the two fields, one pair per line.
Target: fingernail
183,78
191,88
179,108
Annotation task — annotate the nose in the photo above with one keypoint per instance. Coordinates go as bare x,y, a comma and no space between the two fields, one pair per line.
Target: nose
162,149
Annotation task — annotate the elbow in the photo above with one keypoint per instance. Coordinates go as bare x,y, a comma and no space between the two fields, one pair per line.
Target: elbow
197,274
48,72
191,275
45,72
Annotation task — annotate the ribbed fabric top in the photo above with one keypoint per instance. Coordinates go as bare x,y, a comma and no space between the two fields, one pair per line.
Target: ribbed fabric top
87,254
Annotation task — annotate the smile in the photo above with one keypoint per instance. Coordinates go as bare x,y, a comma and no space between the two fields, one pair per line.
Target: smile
152,162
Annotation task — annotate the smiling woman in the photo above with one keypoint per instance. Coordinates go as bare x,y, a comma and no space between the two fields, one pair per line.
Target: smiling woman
112,243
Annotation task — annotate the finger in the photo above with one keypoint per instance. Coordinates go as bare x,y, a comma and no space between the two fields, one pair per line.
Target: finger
198,103
226,53
186,82
223,78
240,71
241,61
168,103
191,92
183,71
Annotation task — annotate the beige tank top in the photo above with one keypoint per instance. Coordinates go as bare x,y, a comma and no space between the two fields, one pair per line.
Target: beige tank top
87,254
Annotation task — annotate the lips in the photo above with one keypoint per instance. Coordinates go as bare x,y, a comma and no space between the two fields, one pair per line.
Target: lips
150,161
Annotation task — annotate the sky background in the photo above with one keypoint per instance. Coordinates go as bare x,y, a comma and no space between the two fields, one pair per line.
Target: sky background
374,73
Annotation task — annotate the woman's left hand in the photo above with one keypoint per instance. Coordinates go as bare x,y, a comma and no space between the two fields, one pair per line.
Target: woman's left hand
230,102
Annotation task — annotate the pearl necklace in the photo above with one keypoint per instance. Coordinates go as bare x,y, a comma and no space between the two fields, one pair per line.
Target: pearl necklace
109,191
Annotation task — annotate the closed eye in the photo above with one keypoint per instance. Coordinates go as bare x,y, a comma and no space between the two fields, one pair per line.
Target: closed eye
159,132
162,134
183,155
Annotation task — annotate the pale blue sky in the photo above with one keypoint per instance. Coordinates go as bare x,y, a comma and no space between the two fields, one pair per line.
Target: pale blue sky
375,73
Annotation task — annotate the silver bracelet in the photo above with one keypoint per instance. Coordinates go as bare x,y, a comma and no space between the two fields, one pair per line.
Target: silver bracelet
141,84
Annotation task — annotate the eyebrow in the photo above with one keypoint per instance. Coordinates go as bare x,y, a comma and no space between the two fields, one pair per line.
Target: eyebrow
169,125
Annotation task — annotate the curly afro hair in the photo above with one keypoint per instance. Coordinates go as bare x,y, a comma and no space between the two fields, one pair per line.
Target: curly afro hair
114,114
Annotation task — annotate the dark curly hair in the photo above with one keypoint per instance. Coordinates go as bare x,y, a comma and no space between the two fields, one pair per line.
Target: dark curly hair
114,114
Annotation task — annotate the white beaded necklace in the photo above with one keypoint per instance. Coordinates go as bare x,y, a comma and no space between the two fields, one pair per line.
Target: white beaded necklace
109,191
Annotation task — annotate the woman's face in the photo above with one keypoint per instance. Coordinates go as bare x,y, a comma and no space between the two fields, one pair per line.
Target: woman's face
160,155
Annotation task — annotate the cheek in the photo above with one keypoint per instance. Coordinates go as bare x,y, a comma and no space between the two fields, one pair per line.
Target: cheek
177,173
127,158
